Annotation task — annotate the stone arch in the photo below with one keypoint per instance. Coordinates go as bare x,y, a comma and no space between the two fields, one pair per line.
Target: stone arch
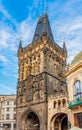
27,114
59,121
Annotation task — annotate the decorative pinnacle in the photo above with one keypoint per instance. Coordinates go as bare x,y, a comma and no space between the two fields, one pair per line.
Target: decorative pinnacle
64,45
20,44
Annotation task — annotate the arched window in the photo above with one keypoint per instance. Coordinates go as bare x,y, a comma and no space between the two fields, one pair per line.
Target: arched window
64,103
59,103
54,104
77,90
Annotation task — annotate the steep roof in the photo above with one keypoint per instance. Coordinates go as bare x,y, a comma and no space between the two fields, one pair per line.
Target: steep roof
43,27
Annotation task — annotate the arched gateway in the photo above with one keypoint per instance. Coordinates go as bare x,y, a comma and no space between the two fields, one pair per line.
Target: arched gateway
59,122
30,121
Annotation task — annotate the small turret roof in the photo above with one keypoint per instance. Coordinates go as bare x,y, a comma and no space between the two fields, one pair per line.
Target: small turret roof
20,45
64,46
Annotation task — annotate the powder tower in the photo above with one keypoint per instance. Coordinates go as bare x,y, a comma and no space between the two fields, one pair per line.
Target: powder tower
42,90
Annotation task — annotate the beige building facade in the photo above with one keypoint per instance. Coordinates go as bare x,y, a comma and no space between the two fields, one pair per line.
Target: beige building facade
74,80
7,112
42,95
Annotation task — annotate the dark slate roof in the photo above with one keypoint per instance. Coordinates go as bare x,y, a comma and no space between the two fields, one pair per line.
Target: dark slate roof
43,27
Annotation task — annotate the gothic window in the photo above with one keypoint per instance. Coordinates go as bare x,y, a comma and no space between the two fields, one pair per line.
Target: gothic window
55,104
41,83
77,90
59,103
64,103
36,95
41,95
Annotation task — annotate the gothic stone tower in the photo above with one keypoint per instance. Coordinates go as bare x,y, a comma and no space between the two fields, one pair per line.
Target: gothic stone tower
41,75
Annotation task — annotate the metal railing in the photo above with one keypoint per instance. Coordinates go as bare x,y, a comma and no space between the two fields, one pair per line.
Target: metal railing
75,102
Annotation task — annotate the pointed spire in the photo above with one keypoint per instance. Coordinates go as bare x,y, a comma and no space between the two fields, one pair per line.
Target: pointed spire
43,26
64,45
20,45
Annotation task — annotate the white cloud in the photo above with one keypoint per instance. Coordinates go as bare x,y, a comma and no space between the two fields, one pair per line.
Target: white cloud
3,59
26,30
6,89
4,36
7,15
65,21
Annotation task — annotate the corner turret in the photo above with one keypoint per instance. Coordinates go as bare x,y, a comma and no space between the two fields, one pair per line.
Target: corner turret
64,48
20,45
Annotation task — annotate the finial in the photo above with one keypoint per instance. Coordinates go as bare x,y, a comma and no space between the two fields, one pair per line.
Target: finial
20,38
20,44
64,45
46,10
63,39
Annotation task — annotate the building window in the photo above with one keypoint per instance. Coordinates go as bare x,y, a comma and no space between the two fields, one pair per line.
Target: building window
3,103
77,90
7,116
2,116
6,126
14,108
14,125
3,109
14,102
64,103
14,116
78,119
7,102
8,109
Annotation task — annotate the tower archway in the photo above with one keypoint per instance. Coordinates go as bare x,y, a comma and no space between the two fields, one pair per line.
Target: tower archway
31,122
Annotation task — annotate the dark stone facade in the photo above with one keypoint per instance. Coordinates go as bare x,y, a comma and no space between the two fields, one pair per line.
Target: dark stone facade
41,74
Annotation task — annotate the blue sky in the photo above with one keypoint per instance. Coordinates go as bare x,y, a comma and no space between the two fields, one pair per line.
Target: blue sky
19,18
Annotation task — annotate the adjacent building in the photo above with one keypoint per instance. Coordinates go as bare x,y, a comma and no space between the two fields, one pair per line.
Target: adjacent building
74,80
7,112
